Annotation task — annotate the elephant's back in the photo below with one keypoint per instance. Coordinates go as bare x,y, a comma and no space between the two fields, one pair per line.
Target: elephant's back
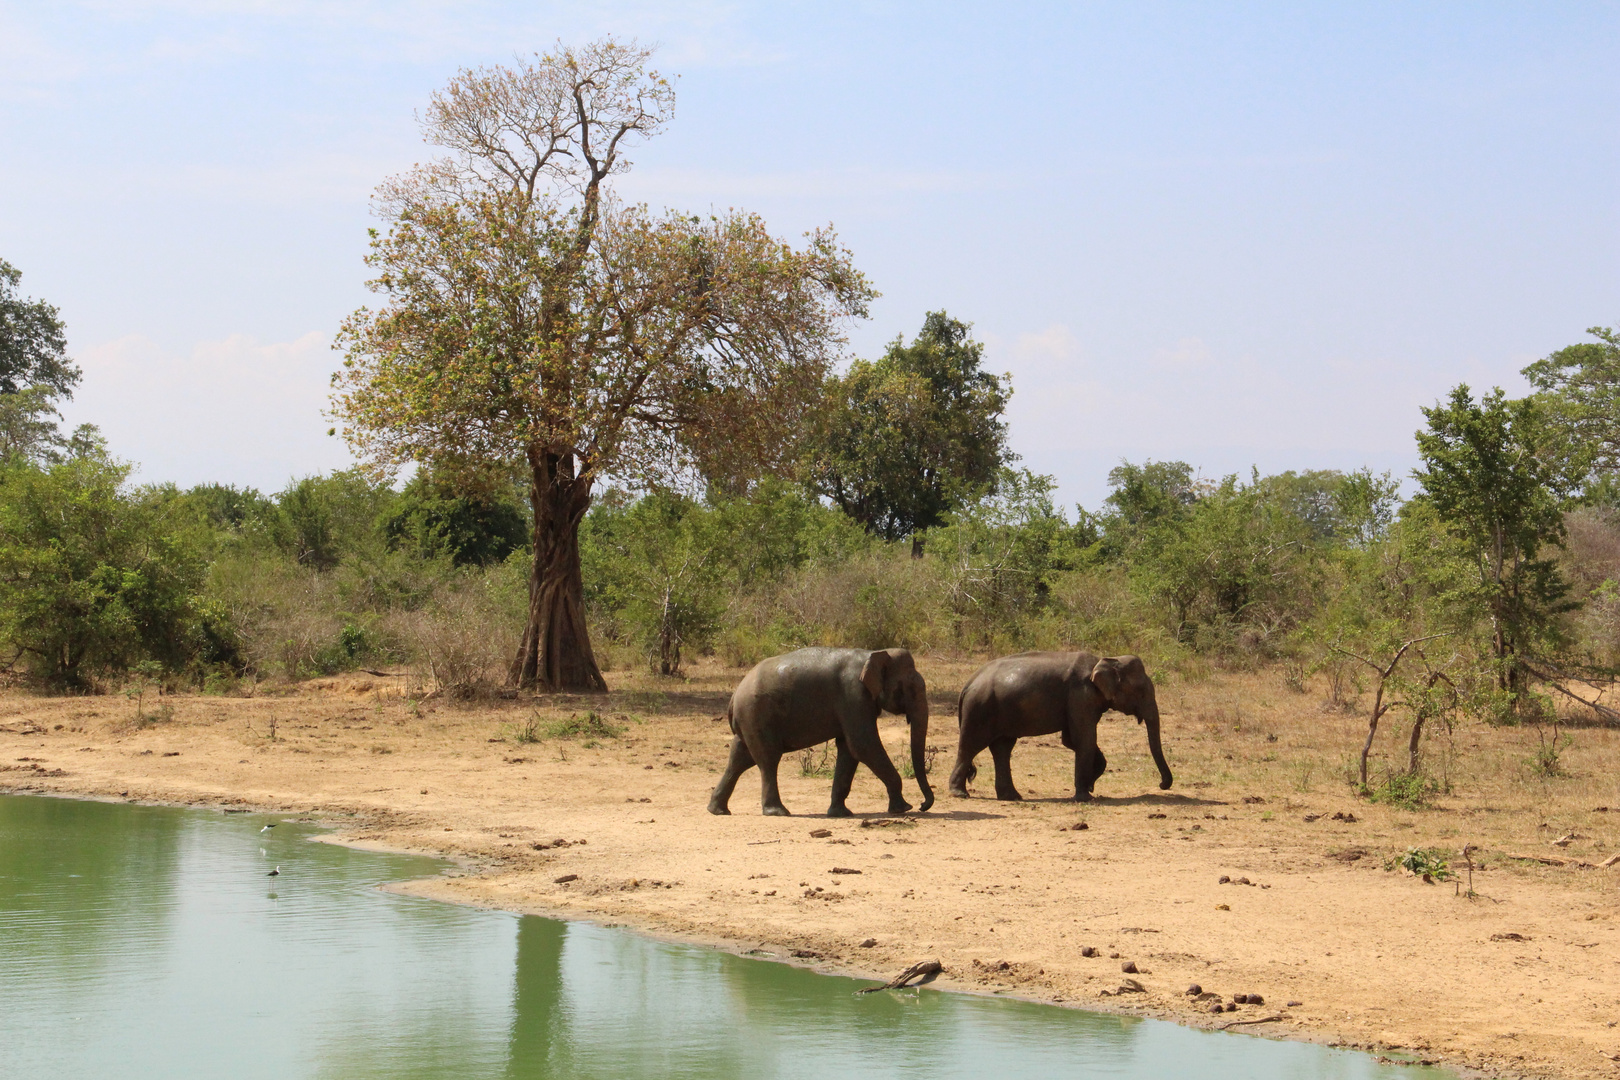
797,672
1022,680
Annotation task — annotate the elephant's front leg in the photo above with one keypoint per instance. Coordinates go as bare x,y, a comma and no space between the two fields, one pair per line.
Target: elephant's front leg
867,747
1001,753
1086,769
770,798
843,778
740,762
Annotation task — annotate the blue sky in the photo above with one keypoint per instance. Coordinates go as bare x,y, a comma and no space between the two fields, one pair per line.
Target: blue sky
1236,234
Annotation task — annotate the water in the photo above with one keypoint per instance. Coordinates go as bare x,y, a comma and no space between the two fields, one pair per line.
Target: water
149,942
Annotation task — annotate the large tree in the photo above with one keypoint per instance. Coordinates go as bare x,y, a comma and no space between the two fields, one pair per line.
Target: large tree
531,319
34,372
907,438
1580,385
33,341
1499,482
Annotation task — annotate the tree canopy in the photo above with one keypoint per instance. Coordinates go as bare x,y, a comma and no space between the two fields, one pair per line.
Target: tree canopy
906,439
1492,475
1580,386
33,341
530,319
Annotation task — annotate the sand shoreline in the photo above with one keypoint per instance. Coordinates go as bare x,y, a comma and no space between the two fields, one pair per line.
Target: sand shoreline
1004,894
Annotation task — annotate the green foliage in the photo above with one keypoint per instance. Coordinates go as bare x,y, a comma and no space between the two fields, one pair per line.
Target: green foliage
33,342
474,528
319,518
1580,388
1234,568
908,438
999,556
660,570
1500,484
589,726
1407,790
1427,863
94,577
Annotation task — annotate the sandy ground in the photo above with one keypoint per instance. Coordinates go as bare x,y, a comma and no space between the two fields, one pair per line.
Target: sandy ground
1521,979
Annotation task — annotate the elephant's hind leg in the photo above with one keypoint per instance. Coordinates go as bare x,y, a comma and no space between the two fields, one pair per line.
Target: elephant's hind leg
967,748
1001,752
739,762
843,778
770,798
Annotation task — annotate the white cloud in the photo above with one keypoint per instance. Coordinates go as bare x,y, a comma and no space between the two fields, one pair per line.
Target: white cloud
234,411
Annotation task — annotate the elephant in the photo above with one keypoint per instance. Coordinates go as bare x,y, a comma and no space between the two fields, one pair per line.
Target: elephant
1037,693
804,698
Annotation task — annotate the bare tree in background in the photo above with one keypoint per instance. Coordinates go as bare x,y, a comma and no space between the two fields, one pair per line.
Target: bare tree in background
530,319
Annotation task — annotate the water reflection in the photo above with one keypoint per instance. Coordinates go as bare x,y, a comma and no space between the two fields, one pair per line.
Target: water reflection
147,942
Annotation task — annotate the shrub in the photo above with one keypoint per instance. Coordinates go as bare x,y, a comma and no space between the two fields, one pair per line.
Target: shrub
94,578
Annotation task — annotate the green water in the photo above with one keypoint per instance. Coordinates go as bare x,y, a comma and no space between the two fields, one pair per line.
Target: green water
149,942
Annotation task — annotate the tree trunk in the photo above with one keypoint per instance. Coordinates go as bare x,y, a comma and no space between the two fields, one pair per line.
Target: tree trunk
555,653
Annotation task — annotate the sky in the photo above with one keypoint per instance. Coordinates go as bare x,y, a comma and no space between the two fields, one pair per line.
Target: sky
1237,235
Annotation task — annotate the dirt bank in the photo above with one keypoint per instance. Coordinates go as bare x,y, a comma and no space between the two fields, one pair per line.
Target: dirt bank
1520,980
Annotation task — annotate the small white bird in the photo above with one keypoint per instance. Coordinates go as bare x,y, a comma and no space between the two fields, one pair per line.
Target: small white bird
268,827
274,873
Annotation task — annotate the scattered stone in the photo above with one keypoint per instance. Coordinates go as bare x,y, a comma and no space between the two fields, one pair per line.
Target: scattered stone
1229,1007
1349,819
1078,826
820,834
1151,816
869,943
1217,1007
1194,990
1223,907
1240,999
1295,1004
807,954
842,870
1225,879
565,879
1128,967
1256,999
1088,950
176,753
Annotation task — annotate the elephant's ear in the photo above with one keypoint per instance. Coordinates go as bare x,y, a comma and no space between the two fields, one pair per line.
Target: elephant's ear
872,673
1105,677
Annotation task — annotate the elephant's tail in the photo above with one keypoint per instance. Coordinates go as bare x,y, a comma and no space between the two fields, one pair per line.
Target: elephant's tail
731,721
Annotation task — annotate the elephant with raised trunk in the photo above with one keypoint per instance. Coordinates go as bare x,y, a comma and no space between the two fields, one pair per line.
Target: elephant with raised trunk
804,698
1037,693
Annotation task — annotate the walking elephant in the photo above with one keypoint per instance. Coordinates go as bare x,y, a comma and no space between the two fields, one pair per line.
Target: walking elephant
1037,693
804,698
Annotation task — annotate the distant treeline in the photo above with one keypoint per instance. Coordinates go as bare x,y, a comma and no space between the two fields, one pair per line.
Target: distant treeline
893,514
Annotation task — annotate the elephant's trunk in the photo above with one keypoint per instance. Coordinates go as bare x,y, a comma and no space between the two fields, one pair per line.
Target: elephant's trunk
918,719
1150,717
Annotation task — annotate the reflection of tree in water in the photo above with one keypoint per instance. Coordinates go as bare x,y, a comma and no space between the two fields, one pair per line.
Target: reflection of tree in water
595,1003
539,1012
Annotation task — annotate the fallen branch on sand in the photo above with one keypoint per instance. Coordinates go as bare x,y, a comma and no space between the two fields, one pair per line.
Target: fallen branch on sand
924,971
1258,1020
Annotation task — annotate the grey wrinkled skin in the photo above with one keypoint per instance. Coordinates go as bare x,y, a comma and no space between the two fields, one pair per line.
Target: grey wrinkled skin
1038,693
805,698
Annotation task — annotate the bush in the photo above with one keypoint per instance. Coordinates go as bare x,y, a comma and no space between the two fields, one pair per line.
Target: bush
94,578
